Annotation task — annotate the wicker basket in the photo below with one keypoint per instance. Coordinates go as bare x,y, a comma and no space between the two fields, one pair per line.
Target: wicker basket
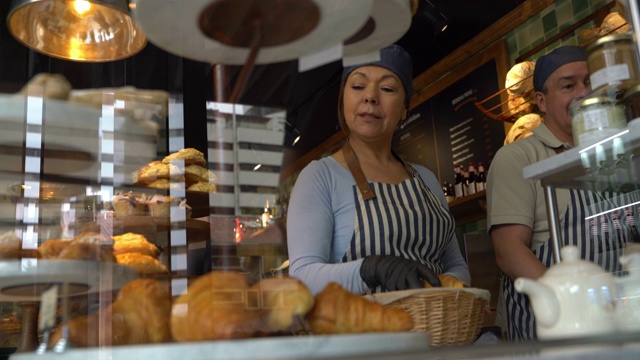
450,316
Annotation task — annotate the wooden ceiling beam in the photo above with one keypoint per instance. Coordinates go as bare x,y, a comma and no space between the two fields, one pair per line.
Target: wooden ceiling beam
480,42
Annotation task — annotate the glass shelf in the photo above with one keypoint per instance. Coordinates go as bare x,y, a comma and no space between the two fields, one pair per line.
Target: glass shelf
610,165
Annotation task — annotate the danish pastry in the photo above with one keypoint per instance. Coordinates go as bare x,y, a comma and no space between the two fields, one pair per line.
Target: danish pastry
159,170
203,187
134,243
196,173
142,264
188,156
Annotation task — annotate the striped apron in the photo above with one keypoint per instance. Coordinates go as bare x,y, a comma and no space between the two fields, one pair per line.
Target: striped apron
600,239
405,220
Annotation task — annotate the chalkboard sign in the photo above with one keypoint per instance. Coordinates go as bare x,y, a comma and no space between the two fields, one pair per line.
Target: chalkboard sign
448,129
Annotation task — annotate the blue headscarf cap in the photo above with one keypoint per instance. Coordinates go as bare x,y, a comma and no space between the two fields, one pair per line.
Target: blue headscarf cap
547,64
395,59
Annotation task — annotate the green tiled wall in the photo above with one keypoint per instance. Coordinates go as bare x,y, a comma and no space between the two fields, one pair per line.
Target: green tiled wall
548,24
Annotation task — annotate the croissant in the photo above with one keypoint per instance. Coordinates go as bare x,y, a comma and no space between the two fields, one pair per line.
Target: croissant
139,315
285,300
447,280
337,311
217,305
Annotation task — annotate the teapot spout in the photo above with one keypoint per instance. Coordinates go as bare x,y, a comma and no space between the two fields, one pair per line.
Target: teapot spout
544,302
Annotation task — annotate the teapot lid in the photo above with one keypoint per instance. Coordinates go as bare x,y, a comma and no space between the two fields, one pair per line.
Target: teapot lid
572,265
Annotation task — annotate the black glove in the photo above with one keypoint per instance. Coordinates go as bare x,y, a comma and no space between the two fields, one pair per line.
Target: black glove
395,273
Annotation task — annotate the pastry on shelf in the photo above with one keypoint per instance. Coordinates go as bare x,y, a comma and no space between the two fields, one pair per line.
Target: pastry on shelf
139,315
337,311
158,170
165,184
134,243
186,156
128,204
142,264
196,173
203,187
160,205
10,245
9,330
48,86
84,246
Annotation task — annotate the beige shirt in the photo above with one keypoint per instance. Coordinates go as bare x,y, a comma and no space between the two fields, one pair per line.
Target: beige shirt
512,199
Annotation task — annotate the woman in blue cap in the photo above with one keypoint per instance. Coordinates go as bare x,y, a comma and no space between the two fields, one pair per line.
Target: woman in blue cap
362,217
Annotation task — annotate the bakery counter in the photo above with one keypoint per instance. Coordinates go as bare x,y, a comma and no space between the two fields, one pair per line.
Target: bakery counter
282,348
378,346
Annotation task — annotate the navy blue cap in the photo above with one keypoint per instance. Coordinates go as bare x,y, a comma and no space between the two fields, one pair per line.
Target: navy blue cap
547,64
395,59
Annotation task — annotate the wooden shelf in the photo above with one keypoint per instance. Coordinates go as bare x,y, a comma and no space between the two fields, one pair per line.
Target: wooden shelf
469,208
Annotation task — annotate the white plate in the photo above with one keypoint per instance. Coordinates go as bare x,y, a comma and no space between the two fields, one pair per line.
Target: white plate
281,348
26,279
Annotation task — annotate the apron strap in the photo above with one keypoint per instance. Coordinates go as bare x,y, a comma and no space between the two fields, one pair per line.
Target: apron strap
356,171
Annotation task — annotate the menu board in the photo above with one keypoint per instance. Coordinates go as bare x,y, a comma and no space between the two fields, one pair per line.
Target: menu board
448,129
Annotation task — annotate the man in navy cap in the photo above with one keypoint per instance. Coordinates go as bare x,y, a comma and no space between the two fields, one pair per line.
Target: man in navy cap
517,215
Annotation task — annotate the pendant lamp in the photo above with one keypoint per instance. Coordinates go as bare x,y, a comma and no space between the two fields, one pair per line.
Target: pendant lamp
78,30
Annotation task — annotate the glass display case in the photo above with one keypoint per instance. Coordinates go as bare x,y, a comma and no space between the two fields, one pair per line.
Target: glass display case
611,166
92,175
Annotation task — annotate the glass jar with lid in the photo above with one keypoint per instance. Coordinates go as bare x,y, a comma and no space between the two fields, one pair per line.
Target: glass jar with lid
612,64
595,119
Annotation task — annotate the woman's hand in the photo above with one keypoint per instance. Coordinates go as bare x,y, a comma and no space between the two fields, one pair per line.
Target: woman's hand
395,273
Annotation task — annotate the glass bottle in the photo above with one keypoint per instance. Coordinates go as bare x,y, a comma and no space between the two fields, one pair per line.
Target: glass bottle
471,184
481,180
459,180
448,195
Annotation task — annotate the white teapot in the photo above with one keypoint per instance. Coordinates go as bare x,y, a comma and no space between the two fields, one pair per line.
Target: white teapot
574,298
628,300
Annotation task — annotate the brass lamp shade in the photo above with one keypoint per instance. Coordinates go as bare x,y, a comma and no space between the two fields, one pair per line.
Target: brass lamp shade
79,30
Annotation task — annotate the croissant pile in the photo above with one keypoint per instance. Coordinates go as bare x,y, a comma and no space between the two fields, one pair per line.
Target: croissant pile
225,305
186,166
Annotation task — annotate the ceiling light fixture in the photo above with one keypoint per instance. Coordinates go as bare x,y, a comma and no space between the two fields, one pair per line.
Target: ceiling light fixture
436,18
78,30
